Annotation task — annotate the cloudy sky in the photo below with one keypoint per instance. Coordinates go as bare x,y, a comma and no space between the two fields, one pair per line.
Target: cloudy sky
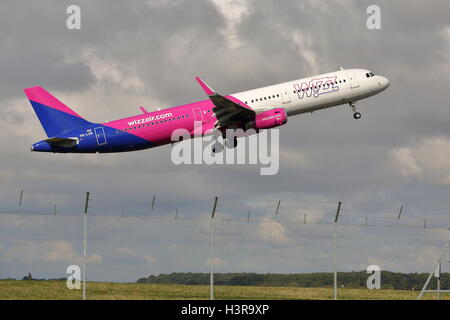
147,53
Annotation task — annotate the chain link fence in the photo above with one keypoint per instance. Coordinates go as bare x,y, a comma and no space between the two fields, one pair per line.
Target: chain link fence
255,250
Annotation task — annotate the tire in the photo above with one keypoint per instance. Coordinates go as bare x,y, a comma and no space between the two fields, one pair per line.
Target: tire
357,115
217,147
231,144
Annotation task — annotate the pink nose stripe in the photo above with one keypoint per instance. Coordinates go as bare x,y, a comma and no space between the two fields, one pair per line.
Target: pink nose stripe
40,95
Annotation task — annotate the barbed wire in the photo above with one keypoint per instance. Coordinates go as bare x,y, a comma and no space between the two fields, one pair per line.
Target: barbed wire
247,219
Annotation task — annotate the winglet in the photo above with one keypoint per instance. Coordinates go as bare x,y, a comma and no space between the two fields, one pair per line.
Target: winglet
205,87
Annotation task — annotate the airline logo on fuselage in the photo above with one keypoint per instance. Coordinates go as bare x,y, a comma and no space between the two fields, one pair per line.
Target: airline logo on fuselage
316,87
150,119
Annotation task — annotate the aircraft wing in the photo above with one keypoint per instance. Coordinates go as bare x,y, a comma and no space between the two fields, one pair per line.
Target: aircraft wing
227,109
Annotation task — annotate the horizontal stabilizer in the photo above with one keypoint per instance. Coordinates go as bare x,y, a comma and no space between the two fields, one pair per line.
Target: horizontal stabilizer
62,142
144,111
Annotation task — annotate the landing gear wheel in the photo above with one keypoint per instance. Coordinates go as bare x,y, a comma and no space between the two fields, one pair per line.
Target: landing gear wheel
357,115
231,143
217,147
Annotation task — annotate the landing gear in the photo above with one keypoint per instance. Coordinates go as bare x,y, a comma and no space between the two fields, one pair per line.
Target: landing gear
217,147
356,114
231,142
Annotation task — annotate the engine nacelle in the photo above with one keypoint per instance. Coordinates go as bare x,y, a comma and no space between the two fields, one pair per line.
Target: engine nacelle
270,119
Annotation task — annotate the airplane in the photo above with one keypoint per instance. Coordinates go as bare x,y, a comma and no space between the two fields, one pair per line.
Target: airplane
259,109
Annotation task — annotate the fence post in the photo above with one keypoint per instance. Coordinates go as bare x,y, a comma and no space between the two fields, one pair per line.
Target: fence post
153,202
21,197
211,252
424,288
438,271
278,207
400,213
335,249
86,206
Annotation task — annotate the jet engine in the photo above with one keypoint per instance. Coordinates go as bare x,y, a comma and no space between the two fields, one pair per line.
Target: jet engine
269,119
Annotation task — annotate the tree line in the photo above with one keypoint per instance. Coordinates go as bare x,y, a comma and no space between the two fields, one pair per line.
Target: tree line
354,279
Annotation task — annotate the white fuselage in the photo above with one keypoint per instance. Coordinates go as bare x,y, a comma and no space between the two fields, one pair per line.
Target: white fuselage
317,92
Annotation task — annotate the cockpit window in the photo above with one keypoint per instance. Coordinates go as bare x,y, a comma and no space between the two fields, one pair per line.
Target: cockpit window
369,74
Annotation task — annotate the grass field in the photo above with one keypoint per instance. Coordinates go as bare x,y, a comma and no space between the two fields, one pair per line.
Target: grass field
42,290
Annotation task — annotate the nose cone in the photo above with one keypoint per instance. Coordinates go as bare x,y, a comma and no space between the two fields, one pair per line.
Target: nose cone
42,146
383,82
